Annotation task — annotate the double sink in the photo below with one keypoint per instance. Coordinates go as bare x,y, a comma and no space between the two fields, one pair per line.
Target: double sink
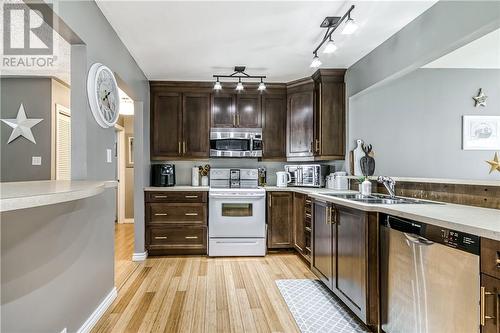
378,199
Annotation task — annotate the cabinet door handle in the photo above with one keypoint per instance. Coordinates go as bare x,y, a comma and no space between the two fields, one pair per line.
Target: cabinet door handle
183,147
191,214
161,237
180,152
191,196
317,145
311,147
160,196
333,218
328,215
160,214
483,316
191,237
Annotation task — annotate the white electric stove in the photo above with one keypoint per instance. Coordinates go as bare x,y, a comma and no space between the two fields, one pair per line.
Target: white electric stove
237,216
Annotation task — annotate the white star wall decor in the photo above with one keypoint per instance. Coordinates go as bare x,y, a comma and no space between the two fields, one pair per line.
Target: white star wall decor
480,99
21,125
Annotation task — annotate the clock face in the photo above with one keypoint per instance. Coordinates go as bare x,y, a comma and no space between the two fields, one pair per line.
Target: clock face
103,95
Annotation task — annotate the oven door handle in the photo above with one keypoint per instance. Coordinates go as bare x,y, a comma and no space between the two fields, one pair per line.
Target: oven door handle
226,196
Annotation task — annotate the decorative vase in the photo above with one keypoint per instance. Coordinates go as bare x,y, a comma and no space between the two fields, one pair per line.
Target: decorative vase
204,180
357,155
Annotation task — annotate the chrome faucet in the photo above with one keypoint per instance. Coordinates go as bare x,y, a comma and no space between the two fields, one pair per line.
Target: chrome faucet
389,183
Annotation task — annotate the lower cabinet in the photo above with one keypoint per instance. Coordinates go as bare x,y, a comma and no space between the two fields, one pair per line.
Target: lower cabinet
345,256
176,223
490,286
279,220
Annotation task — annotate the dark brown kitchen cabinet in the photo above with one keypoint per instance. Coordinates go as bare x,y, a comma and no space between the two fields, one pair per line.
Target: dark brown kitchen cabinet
176,222
329,114
236,110
279,220
300,119
166,129
323,233
490,286
490,298
223,112
316,116
345,256
274,126
180,122
195,125
248,110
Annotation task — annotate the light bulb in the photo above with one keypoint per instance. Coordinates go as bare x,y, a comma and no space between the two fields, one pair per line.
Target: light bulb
350,27
315,62
217,85
261,87
239,86
330,47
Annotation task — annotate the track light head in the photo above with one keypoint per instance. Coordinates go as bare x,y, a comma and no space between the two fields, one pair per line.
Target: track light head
350,26
315,62
330,47
262,86
239,86
217,85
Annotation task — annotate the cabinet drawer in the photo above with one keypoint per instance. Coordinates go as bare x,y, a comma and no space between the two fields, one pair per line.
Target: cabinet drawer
182,236
490,257
174,197
176,213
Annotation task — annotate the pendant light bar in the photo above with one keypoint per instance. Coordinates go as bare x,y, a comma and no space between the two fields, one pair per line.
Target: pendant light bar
239,73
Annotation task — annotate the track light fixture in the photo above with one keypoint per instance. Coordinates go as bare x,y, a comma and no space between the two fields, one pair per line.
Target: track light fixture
239,73
331,23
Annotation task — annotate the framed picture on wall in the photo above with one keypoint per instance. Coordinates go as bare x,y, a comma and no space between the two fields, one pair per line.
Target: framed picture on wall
129,139
481,133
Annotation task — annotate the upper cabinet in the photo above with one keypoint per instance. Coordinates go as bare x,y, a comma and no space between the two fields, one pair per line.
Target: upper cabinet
300,120
231,109
180,122
329,114
274,124
316,117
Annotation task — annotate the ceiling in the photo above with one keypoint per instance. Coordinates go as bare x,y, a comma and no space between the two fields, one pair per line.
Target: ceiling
194,40
483,53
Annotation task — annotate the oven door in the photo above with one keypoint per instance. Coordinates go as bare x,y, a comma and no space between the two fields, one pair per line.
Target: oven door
237,215
230,147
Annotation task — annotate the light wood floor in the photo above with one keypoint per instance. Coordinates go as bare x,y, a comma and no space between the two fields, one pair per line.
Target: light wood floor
200,294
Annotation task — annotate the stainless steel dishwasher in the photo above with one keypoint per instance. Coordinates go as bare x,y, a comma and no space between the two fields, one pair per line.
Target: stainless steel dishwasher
429,278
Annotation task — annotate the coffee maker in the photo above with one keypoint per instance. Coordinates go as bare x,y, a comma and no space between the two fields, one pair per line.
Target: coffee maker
162,175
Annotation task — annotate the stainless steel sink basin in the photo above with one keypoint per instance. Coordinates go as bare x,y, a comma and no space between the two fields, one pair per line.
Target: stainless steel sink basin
378,199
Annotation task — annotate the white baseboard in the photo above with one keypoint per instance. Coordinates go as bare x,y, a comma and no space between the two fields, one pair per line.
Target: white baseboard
98,312
139,256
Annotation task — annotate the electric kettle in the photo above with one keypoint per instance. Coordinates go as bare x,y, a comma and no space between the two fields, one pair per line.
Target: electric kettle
283,178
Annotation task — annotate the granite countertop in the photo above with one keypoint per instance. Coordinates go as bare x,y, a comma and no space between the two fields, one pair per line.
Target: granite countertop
188,188
20,195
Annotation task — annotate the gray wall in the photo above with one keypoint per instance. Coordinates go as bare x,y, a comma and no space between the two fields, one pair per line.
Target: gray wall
35,94
56,264
103,45
415,123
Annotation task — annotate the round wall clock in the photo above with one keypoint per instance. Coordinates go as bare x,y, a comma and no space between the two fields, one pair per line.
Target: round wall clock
102,92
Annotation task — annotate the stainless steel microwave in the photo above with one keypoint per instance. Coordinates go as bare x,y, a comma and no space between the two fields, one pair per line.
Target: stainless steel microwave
236,142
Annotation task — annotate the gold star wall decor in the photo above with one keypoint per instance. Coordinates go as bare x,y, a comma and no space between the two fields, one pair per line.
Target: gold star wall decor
494,164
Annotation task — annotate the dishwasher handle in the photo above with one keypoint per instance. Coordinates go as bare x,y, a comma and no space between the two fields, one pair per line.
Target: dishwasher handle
416,239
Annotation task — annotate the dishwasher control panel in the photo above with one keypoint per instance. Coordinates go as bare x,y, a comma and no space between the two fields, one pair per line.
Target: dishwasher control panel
452,238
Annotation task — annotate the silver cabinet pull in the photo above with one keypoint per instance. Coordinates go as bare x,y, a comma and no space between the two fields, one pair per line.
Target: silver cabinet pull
191,237
160,214
160,196
161,237
191,214
191,196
